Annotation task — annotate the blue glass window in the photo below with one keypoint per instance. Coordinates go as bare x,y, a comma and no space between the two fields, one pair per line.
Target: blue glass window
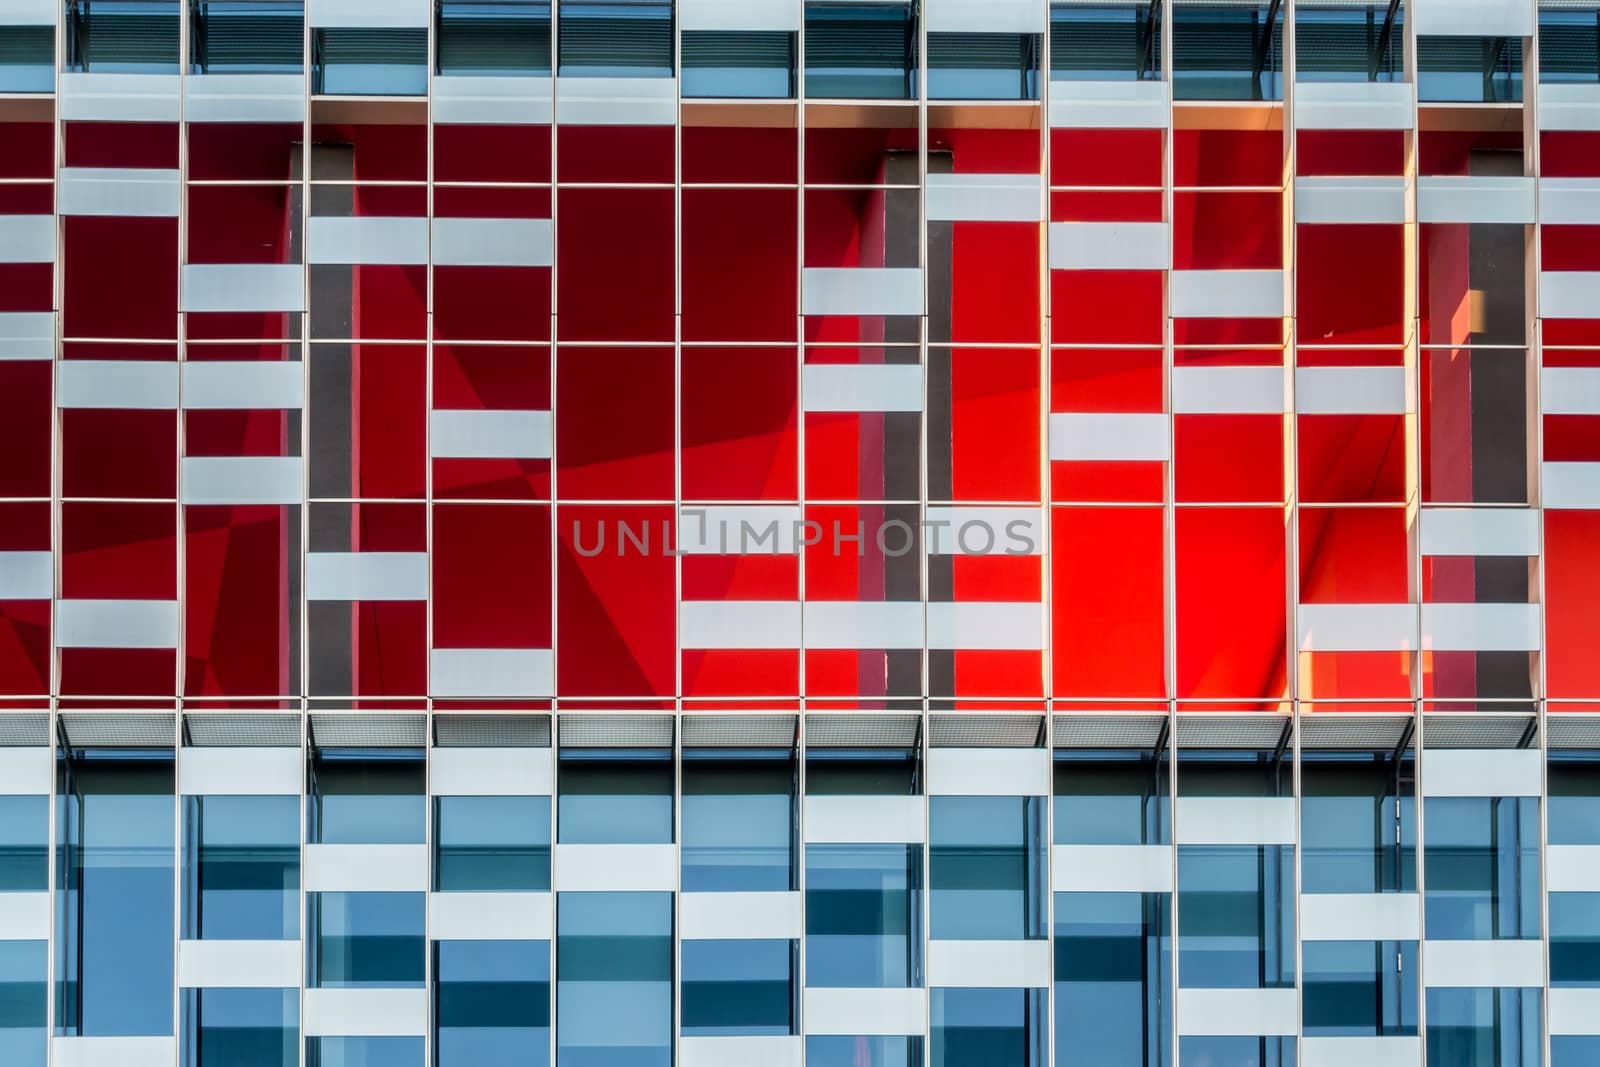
984,66
24,838
1574,1051
1359,988
492,1003
367,797
1574,788
738,823
1472,69
863,916
1236,916
1227,51
493,37
734,988
241,868
1237,1051
1113,969
23,1020
1569,42
1482,868
863,1051
614,985
366,940
369,61
615,796
1112,798
1349,41
365,1052
861,49
1358,823
27,59
114,911
988,1027
241,1027
1575,940
1488,1026
1105,41
738,64
616,38
986,868
246,36
122,36
492,844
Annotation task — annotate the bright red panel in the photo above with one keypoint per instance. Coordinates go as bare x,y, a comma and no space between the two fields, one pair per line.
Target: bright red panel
1353,556
994,283
615,256
1107,628
1107,307
1231,603
615,153
1350,285
1106,379
995,429
616,614
1106,157
614,433
740,436
238,614
740,264
1571,591
1355,153
1352,458
120,144
1227,231
1218,158
119,551
492,303
491,576
244,151
1228,458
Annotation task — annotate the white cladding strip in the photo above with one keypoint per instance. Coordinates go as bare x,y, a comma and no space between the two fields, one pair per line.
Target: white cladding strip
985,531
739,916
1357,627
1094,436
1351,200
147,385
769,1050
241,479
1221,294
364,1012
1111,868
1472,772
491,772
1481,627
366,576
984,16
617,101
366,868
1569,201
369,14
243,287
25,916
866,1012
739,15
27,335
493,242
861,291
492,672
26,771
1110,246
367,240
739,624
1574,1012
238,964
1478,198
27,239
119,97
847,624
1211,390
27,13
246,385
861,387
1570,390
1360,917
1569,107
1571,485
26,576
1353,106
1569,294
221,771
1483,964
1572,868
499,101
1480,531
244,98
1367,1051
119,191
988,772
741,530
1144,105
480,434
113,1051
116,624
595,868
489,916
989,964
985,197
1237,1012
974,624
1351,391
1235,821
865,820
1474,18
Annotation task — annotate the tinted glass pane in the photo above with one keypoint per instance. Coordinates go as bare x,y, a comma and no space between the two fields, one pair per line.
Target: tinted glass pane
1113,966
366,940
391,61
242,868
27,59
114,913
1105,41
122,36
1569,42
492,844
1236,916
247,36
23,1035
1336,40
986,868
365,1052
737,987
1575,939
861,51
492,1003
1498,1026
1227,52
615,797
1358,824
1238,1051
719,63
614,994
367,799
1359,988
241,1027
1482,875
1574,1051
863,915
738,825
984,66
1112,798
988,1027
1477,69
863,1051
616,38
494,37
1574,785
24,837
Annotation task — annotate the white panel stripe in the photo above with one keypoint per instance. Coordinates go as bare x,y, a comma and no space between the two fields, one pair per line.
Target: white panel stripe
1484,964
492,672
1575,1012
243,287
366,868
27,239
1237,1012
367,239
366,575
1351,200
1111,868
861,387
1353,106
25,771
238,964
491,772
861,291
243,386
489,916
365,1013
1208,390
1360,917
1109,105
118,97
118,191
1477,198
867,1012
493,242
739,624
1569,294
1480,627
116,624
244,98
617,101
1095,436
623,868
117,384
739,916
1573,868
1367,1051
501,101
769,1050
369,14
113,1051
1569,201
27,335
26,576
1350,390
1218,294
988,772
241,772
984,16
739,15
1110,246
1571,485
1570,390
25,916
468,434
985,197
985,625
1569,107
853,624
989,964
27,13
1235,821
241,479
868,820
1474,772
1475,18
1357,627
1480,531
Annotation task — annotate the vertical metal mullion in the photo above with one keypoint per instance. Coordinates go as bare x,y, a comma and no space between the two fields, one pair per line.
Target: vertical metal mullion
429,978
179,526
1047,528
303,703
53,829
1170,518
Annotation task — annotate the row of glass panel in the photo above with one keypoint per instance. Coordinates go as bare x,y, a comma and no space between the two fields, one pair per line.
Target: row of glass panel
856,49
614,966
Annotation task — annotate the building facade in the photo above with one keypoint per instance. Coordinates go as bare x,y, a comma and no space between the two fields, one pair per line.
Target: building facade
843,533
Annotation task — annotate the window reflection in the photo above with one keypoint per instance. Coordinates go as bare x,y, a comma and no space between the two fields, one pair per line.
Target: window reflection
863,916
1112,798
1482,868
1358,823
492,844
242,868
366,940
367,797
492,1003
738,822
615,796
1498,1026
23,1036
988,1027
987,868
241,1027
614,988
1113,967
738,988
